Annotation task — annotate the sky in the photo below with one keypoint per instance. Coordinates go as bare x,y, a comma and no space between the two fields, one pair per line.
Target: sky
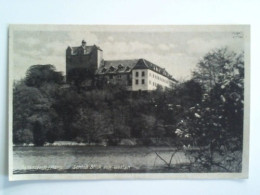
178,52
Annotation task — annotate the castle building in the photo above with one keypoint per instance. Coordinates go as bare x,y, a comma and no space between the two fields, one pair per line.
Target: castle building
135,74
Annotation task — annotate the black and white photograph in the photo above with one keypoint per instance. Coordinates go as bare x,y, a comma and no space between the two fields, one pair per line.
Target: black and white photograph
126,102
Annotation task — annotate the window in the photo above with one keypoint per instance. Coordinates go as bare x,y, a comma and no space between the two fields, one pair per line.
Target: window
143,81
136,81
120,66
136,74
150,82
142,73
111,69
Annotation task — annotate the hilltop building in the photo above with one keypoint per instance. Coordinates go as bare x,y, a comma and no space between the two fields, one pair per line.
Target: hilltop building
135,74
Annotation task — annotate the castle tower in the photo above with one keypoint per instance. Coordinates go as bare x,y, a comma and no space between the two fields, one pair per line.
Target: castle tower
82,59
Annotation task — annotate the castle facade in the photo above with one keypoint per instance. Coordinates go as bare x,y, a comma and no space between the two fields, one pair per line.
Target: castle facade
135,74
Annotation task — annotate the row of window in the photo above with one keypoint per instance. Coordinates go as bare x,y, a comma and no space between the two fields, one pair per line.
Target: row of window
159,78
137,81
152,75
115,76
143,82
154,84
137,74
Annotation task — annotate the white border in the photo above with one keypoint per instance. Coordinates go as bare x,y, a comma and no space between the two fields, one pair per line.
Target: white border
137,28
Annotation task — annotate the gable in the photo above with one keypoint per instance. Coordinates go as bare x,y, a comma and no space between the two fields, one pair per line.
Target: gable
141,64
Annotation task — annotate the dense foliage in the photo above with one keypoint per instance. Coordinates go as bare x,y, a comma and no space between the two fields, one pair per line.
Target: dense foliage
216,123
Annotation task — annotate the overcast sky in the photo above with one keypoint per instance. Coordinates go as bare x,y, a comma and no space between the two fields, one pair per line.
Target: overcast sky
178,52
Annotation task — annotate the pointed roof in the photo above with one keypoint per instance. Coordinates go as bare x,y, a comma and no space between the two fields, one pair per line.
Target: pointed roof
145,64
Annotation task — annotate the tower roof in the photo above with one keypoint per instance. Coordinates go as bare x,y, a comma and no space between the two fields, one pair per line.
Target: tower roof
87,49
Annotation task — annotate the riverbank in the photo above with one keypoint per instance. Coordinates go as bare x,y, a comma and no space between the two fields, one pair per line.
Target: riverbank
65,159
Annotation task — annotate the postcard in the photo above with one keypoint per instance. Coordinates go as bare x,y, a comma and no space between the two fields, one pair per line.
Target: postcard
128,102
